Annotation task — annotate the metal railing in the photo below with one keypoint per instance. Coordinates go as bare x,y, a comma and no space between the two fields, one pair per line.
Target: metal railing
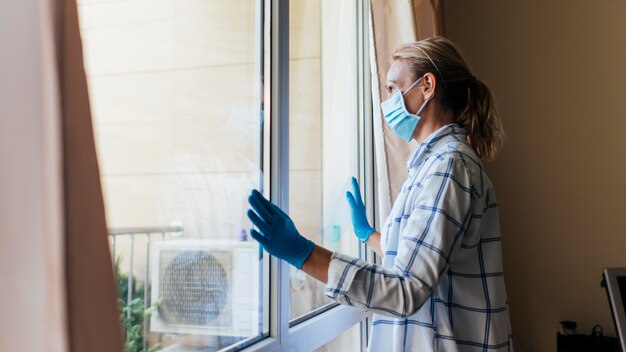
134,234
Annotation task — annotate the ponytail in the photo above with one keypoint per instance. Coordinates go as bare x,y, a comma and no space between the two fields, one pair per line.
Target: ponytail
481,120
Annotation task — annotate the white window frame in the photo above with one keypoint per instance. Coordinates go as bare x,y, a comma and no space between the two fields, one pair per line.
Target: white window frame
325,324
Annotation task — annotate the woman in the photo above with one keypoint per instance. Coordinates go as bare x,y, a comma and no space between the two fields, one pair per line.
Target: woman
440,286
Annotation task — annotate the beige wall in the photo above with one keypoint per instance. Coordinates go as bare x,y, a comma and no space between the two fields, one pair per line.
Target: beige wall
557,69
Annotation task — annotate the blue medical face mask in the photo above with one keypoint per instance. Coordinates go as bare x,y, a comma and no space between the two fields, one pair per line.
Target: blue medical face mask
401,121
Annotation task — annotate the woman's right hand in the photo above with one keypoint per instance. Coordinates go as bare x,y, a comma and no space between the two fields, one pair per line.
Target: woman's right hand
362,228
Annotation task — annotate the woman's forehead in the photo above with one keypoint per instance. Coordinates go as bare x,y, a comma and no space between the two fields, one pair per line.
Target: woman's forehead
399,72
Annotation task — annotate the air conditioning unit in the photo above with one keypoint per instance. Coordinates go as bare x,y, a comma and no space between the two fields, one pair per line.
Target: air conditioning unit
205,287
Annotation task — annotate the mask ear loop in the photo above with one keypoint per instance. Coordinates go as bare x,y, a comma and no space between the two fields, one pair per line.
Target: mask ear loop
422,106
425,101
412,85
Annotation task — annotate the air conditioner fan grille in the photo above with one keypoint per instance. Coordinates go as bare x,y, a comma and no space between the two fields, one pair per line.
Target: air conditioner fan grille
194,287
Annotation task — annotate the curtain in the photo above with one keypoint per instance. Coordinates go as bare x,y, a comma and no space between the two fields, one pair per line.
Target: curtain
393,23
32,297
58,290
91,293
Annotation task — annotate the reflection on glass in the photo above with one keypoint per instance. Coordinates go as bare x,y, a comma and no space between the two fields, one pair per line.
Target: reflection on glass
323,133
176,114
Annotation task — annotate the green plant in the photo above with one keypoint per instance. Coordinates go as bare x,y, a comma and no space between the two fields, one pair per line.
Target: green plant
132,314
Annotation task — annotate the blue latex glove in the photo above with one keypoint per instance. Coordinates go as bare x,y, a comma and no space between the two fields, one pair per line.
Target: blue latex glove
362,228
278,234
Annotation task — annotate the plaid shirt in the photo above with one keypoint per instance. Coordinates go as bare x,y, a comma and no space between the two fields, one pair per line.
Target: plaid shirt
440,286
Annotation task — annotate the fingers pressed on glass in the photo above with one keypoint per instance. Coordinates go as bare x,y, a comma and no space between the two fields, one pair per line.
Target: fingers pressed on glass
278,210
260,208
269,207
262,200
258,237
357,191
258,222
350,199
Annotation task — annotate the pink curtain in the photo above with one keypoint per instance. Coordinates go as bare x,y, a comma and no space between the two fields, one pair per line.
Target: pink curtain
393,23
32,298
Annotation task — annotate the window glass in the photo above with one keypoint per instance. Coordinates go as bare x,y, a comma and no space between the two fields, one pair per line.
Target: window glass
323,133
175,94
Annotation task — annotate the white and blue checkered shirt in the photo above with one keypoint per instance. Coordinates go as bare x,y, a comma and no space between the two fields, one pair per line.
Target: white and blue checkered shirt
440,286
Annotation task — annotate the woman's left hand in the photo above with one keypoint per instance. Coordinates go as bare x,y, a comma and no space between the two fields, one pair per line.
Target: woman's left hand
362,228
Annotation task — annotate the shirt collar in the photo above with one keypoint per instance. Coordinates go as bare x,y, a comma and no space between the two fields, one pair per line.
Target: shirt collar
429,143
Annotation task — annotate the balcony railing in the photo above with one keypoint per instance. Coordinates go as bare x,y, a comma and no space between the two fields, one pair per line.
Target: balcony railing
124,242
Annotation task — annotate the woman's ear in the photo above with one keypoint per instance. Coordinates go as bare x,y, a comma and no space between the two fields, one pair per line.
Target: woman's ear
430,83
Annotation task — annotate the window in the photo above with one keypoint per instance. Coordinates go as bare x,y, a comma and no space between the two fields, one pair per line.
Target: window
323,133
196,102
178,134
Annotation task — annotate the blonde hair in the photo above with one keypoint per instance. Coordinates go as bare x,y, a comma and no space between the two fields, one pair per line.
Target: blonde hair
470,99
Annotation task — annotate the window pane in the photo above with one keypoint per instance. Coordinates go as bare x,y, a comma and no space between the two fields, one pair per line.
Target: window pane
175,94
323,136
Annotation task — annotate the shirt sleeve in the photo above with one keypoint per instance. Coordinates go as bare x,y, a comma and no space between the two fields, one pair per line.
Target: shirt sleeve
435,226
